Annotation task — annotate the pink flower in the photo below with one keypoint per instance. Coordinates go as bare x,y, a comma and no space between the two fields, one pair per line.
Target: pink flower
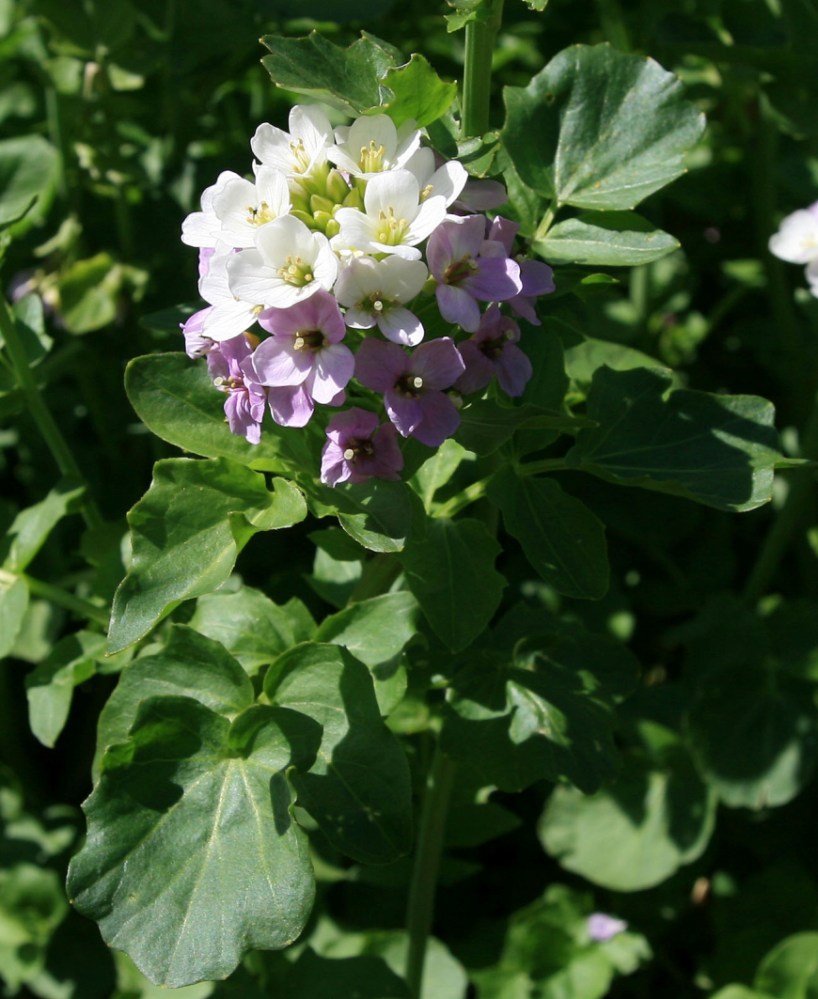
493,351
537,278
413,385
229,364
358,449
305,356
469,268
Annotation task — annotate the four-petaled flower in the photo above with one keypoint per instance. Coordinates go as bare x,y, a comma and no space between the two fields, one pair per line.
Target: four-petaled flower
412,385
358,448
374,292
493,351
229,366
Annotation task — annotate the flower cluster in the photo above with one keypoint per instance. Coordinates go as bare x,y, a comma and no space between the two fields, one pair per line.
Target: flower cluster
316,272
797,242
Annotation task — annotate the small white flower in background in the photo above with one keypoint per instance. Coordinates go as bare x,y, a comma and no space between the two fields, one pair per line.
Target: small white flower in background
797,242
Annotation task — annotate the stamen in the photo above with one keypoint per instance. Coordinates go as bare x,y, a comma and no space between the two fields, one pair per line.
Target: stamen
417,382
349,454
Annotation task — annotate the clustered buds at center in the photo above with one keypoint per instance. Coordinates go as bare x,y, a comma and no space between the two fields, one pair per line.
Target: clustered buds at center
317,269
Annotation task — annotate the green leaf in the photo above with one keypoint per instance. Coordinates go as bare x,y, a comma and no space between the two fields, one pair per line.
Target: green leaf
250,626
559,535
189,665
418,93
719,450
438,470
605,239
32,526
13,607
635,833
358,790
380,515
527,719
790,970
50,686
175,398
485,426
191,820
599,129
29,168
348,79
450,570
187,532
375,631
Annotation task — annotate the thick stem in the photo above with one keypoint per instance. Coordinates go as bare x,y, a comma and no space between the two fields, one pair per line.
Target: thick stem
420,909
40,412
791,518
481,33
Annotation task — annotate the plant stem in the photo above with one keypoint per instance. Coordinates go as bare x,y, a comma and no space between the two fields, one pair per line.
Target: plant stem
481,33
62,598
46,424
789,518
427,862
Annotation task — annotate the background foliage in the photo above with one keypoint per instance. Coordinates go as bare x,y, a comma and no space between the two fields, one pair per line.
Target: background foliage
694,666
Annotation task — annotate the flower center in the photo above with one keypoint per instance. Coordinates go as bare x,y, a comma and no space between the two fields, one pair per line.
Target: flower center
309,340
301,160
391,230
228,384
410,385
459,270
358,448
375,302
296,272
260,215
371,160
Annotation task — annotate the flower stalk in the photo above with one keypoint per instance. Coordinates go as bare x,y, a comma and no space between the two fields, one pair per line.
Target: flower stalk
481,33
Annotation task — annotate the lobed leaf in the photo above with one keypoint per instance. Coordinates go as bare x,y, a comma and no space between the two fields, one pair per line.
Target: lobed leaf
187,532
598,128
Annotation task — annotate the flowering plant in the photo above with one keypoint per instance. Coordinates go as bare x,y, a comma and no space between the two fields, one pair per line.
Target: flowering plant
359,218
432,585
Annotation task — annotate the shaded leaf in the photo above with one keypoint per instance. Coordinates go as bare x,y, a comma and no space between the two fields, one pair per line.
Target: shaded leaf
450,570
187,532
358,789
605,239
719,450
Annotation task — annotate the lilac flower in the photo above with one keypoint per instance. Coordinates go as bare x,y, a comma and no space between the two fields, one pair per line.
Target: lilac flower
468,269
537,278
375,291
602,927
493,351
358,449
196,343
413,385
229,366
304,351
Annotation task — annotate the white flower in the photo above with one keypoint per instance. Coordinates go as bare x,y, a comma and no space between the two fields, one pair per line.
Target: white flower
372,144
446,181
228,316
299,151
797,238
289,263
234,208
394,219
375,292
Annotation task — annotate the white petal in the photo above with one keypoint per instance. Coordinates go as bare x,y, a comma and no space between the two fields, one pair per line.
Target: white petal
797,238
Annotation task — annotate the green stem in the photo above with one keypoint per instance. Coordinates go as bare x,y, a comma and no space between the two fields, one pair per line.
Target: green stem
789,519
481,33
546,465
469,495
46,424
68,601
422,889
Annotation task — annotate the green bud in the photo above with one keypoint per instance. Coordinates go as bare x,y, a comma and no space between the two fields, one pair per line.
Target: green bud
305,217
323,205
321,219
332,228
337,187
354,200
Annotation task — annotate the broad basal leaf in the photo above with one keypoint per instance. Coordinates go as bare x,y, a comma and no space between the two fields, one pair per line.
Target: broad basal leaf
358,789
450,570
192,857
597,128
719,450
187,532
638,831
189,665
561,538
